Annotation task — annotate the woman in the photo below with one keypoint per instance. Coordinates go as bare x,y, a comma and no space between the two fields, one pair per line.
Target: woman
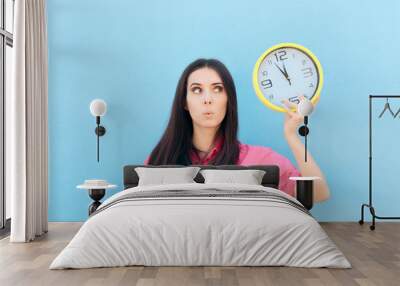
203,127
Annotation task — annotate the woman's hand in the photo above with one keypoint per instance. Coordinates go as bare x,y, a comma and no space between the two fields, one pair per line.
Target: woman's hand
292,118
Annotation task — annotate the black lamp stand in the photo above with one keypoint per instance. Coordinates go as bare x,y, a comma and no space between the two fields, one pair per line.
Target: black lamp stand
100,131
303,131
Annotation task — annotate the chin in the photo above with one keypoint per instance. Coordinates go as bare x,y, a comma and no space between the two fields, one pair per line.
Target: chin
209,124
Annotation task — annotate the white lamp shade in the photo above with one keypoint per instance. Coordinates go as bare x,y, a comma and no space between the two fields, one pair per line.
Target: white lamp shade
98,107
305,107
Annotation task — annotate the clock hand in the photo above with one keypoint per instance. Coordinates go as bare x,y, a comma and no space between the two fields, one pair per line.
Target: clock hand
286,73
283,72
280,70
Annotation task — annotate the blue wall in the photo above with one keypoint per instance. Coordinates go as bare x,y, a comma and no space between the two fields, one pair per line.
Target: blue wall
131,53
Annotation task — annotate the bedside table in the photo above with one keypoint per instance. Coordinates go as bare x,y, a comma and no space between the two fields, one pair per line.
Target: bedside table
96,190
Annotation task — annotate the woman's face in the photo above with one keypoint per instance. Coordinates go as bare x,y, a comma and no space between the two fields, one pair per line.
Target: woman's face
206,98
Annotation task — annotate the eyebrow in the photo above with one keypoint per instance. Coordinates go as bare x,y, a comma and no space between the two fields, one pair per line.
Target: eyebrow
215,83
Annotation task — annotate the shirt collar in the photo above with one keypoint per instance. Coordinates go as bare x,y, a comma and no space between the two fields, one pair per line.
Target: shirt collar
219,142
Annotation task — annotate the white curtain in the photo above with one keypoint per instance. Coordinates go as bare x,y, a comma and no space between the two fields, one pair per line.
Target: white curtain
26,119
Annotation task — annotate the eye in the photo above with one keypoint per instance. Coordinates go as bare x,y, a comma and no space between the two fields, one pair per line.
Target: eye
218,88
196,89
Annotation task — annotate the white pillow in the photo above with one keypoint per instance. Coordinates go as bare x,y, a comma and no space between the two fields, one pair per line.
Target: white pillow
162,176
249,177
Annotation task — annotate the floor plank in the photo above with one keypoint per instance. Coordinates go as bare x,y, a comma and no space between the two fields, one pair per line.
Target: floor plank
374,255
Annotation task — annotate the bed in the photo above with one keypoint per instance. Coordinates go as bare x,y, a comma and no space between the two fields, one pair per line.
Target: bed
201,224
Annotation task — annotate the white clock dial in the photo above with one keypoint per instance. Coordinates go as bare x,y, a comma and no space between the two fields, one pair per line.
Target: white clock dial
287,73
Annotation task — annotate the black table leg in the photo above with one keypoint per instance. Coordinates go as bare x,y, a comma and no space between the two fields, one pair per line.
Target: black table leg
305,193
96,195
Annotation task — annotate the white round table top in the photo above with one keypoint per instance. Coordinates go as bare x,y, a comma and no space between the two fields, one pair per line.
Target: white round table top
92,187
304,178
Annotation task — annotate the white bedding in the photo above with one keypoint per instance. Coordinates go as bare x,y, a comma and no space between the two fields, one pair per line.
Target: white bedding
189,230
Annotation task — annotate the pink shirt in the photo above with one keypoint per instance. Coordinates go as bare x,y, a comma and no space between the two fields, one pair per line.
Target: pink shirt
255,155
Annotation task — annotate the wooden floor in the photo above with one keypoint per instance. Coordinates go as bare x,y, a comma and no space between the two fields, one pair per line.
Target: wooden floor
374,255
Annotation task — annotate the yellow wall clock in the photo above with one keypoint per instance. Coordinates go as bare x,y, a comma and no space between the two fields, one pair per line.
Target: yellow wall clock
287,71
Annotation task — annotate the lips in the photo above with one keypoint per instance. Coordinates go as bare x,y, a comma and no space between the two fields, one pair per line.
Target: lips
208,113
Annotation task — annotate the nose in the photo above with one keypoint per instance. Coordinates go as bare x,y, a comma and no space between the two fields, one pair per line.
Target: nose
207,98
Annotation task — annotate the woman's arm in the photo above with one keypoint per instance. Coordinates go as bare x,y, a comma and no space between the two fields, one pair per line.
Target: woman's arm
310,168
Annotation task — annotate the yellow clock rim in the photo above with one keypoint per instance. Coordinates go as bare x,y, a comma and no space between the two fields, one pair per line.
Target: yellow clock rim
257,89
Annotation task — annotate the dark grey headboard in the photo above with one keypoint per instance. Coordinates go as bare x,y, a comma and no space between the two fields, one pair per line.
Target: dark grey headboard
270,179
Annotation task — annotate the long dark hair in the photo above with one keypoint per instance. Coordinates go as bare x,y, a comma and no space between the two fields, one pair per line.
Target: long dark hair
176,142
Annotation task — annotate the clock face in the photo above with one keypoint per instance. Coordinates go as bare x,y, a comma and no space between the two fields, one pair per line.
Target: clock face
287,73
